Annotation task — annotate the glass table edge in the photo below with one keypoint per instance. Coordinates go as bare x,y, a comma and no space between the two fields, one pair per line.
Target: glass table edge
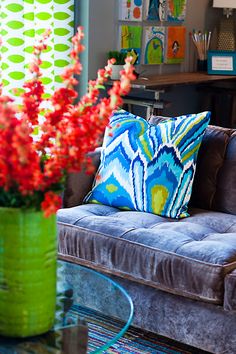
118,286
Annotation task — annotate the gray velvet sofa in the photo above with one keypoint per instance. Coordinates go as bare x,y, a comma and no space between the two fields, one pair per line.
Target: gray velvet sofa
181,274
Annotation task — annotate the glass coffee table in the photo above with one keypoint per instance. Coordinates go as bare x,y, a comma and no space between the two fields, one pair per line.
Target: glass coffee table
92,313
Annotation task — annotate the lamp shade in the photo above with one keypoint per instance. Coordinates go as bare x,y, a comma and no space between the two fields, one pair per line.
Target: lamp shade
231,4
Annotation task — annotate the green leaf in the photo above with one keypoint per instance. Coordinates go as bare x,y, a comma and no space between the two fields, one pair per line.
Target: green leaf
14,41
61,15
18,92
46,95
29,16
46,65
3,32
15,24
46,80
48,49
4,49
5,82
4,66
16,75
29,49
58,79
29,33
16,58
61,47
100,87
61,63
40,31
61,31
61,1
43,1
43,16
36,131
14,7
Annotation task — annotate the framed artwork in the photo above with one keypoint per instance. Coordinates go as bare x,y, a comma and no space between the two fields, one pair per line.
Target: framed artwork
175,47
176,10
131,10
130,40
155,10
153,44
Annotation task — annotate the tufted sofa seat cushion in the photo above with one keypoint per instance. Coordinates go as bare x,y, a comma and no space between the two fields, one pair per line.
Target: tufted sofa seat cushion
189,257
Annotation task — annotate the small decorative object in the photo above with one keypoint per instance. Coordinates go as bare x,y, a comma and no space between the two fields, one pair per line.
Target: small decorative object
201,41
41,141
221,62
118,63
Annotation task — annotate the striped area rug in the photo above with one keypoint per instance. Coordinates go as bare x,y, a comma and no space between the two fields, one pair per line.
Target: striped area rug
135,341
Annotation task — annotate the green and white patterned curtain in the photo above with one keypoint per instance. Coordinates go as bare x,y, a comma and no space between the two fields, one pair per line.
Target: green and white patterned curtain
20,24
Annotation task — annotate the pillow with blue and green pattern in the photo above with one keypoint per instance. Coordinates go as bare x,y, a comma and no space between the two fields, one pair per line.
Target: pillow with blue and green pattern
149,167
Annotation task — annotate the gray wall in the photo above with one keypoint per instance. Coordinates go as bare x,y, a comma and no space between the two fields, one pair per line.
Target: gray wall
103,28
100,19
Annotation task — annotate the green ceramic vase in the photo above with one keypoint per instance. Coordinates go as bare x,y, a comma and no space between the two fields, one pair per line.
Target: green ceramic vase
28,250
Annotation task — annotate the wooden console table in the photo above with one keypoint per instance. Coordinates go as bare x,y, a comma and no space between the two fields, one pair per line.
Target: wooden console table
159,84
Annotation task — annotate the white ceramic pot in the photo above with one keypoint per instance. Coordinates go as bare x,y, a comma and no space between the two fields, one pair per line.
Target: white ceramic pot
116,71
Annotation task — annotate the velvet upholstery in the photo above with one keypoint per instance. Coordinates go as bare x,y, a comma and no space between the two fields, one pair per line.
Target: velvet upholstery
78,184
181,274
189,257
202,325
230,291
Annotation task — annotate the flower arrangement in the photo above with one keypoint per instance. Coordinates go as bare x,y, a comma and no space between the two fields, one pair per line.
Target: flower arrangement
33,171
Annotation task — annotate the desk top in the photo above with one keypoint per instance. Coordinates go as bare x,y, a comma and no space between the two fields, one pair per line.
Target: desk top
153,82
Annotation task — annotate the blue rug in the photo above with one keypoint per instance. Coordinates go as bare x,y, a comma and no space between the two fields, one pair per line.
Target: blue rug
135,341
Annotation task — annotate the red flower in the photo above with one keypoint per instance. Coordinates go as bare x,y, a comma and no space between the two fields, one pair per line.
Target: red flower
51,203
33,171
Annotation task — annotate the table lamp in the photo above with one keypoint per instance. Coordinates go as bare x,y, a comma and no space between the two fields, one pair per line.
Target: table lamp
226,36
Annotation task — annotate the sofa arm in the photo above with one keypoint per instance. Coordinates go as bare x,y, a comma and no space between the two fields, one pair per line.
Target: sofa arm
80,183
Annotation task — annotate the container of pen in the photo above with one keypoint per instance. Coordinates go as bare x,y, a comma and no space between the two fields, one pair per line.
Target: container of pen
201,41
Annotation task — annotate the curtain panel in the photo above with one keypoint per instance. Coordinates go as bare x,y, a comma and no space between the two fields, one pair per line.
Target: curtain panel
21,22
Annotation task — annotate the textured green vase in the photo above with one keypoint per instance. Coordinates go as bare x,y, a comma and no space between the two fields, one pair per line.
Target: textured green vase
28,251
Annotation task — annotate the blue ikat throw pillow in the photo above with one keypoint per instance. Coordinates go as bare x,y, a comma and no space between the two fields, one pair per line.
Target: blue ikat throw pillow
149,167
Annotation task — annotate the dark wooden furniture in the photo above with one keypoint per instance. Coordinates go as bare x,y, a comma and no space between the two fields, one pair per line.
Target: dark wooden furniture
157,82
218,93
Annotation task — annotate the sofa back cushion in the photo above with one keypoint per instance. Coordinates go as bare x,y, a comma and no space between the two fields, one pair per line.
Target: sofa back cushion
215,180
214,186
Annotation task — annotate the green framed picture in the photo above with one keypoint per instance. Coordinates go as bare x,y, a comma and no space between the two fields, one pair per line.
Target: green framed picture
221,62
